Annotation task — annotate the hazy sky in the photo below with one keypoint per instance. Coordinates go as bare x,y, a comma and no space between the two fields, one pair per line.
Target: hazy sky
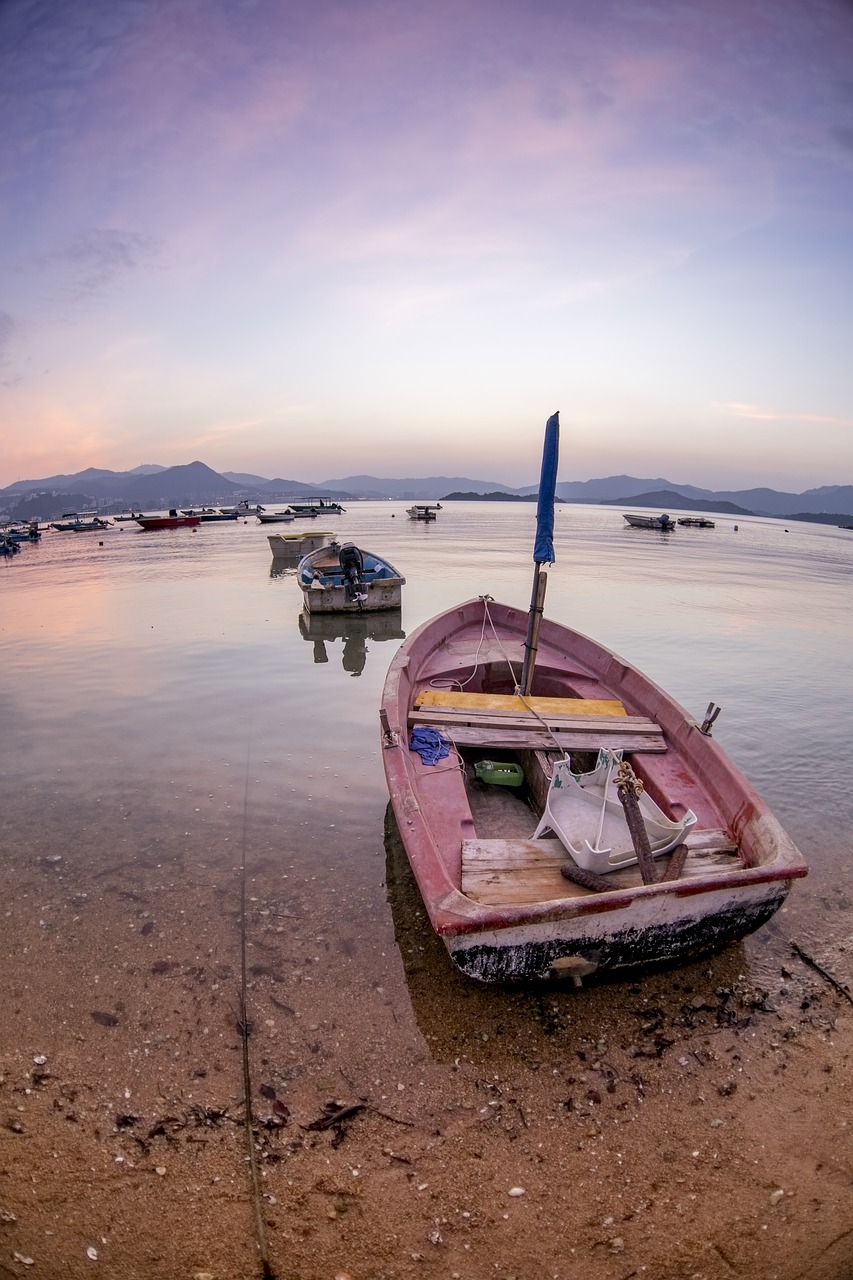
336,236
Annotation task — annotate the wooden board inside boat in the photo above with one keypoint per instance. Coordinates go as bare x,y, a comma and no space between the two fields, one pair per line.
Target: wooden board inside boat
505,865
459,700
477,727
500,872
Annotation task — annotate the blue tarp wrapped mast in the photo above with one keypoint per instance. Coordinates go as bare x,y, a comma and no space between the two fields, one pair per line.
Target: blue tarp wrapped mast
543,548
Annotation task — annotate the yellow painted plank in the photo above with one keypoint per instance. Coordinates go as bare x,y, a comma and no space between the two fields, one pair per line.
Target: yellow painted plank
514,702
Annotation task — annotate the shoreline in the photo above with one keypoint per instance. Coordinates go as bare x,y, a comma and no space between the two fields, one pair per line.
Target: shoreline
692,1123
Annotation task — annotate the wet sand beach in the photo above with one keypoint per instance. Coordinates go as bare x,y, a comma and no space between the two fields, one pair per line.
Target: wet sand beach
166,725
688,1124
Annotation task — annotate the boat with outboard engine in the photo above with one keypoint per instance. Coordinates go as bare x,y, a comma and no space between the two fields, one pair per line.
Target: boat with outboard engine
318,506
343,578
425,511
664,522
82,522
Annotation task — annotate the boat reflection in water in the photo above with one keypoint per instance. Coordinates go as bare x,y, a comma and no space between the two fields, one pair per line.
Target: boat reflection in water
355,629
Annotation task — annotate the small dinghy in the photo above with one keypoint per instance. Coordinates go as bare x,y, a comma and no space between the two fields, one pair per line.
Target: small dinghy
276,517
345,579
86,522
664,522
423,511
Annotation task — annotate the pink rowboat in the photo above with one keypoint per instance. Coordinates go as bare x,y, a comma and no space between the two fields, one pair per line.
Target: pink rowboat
496,895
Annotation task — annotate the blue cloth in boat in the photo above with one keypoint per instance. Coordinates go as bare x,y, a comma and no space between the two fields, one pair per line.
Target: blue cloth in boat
429,744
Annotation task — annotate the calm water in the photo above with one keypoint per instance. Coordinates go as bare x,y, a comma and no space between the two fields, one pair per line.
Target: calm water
157,689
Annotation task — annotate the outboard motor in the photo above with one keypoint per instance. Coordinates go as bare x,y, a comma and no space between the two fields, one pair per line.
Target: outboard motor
352,564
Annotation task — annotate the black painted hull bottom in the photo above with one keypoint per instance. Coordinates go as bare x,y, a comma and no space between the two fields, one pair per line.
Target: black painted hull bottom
622,951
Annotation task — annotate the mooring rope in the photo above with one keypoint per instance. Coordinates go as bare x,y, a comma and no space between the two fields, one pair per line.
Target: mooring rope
517,685
260,1225
448,683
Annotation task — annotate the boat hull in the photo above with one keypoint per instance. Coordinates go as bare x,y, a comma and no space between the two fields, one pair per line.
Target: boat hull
317,507
547,928
168,522
81,526
293,546
380,586
640,936
380,596
650,522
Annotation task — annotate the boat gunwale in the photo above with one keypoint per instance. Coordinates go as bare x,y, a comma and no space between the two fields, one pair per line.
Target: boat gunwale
396,577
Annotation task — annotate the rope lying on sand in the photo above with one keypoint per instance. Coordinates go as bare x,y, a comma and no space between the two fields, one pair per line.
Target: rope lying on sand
267,1272
810,960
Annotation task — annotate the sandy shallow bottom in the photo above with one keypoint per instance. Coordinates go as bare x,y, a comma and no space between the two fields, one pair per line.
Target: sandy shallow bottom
690,1125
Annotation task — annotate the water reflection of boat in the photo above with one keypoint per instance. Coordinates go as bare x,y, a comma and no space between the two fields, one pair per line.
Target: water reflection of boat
452,1013
355,629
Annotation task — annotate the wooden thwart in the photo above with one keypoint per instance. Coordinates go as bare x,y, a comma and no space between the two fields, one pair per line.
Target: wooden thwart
509,720
547,740
501,872
460,700
490,728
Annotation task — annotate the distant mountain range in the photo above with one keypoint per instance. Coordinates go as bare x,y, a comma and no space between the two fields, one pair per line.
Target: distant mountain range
157,488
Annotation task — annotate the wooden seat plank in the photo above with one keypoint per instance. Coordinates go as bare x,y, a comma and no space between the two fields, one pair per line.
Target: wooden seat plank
453,699
489,728
508,720
545,740
501,872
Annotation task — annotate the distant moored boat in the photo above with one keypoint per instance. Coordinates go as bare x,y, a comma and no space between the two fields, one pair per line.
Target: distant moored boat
649,522
423,510
171,521
347,579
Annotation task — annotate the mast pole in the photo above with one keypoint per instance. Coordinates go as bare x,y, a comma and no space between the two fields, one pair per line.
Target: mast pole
531,644
543,551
